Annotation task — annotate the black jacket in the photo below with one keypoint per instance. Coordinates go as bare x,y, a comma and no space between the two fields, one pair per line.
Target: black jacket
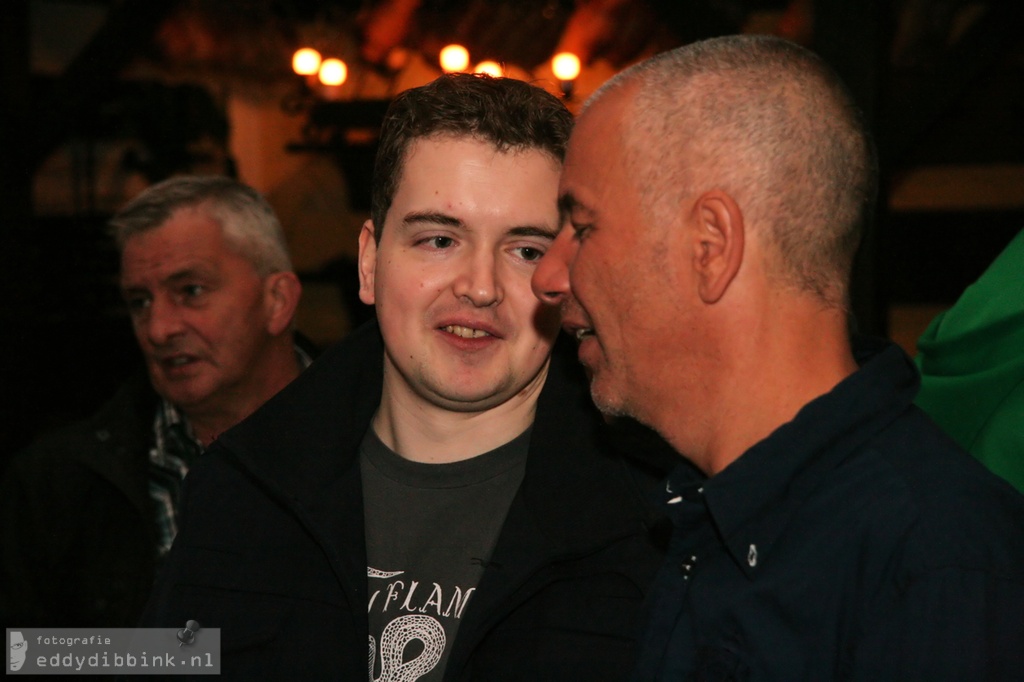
271,546
77,536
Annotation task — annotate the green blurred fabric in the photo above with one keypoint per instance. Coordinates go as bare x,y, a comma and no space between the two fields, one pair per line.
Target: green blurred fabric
971,359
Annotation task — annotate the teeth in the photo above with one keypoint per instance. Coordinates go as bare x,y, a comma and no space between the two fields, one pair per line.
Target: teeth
465,332
580,333
178,362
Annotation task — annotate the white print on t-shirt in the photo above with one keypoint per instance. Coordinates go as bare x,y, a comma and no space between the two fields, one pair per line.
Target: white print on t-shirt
423,607
393,641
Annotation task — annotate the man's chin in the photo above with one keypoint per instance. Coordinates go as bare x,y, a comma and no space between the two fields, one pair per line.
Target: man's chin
468,399
607,400
183,395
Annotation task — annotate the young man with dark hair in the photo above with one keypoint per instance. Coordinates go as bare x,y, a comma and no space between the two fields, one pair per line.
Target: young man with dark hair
436,497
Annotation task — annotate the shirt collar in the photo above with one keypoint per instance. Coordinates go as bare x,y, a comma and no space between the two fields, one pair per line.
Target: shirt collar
170,419
751,500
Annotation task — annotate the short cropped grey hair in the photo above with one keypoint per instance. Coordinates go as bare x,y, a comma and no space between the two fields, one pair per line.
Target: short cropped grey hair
769,122
248,222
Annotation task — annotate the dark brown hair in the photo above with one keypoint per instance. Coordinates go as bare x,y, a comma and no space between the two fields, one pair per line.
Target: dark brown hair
508,113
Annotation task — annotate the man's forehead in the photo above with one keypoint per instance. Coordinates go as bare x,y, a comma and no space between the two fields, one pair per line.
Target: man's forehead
168,273
162,261
594,160
456,180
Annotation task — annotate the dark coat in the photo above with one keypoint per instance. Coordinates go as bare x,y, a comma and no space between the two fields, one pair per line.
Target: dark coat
271,547
76,521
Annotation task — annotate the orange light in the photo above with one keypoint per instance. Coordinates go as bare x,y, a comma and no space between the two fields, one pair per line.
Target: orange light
454,58
490,68
565,66
333,72
306,61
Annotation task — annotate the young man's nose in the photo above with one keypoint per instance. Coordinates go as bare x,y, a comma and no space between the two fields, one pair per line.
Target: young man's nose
478,282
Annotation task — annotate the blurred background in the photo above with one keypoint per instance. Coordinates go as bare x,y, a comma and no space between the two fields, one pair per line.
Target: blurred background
104,97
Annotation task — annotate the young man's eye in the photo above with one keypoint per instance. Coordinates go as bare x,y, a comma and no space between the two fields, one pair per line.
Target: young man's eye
529,253
438,242
192,290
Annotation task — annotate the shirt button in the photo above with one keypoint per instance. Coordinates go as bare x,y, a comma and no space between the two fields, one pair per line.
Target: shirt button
687,565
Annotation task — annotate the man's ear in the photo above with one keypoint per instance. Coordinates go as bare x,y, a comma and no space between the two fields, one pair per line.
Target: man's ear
367,262
719,242
281,294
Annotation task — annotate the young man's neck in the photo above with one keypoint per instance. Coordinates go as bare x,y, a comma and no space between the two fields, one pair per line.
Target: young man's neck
420,431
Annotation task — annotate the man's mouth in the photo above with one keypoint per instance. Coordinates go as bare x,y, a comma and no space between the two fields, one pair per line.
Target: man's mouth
465,332
583,332
176,361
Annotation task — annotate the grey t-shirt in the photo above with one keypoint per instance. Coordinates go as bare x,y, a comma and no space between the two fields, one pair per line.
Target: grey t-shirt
430,530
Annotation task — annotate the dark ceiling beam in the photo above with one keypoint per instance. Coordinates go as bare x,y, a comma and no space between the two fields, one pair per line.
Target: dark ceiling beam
127,32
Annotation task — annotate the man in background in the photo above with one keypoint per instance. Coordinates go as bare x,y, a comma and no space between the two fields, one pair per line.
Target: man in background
436,497
713,199
88,512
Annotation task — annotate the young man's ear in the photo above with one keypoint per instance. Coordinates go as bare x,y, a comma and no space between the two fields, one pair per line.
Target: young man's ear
719,243
281,294
367,262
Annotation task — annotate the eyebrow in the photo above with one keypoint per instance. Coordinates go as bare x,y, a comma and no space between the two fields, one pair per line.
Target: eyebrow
174,278
432,217
446,220
568,204
533,231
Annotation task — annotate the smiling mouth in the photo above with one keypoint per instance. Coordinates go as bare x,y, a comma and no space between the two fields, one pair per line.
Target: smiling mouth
583,333
465,332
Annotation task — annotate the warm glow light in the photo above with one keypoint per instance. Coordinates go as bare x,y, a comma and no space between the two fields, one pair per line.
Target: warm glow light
306,61
333,72
490,68
565,66
454,58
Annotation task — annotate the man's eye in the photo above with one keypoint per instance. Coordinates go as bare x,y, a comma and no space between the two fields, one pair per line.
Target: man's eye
438,242
192,290
136,305
529,253
580,231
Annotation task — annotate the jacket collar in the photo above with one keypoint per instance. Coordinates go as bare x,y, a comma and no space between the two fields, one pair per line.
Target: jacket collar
576,496
308,436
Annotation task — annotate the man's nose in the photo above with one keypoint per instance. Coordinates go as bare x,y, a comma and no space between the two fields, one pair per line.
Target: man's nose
478,282
162,321
551,278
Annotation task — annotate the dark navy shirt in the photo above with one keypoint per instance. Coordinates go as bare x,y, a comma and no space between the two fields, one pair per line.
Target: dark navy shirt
855,542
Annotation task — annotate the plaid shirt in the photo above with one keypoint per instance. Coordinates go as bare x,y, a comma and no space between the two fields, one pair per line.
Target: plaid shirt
176,448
